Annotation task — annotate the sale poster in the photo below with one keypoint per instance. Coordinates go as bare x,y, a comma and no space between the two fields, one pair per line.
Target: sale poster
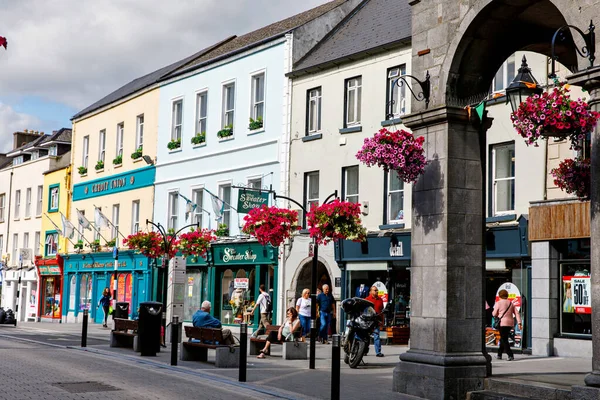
577,294
382,292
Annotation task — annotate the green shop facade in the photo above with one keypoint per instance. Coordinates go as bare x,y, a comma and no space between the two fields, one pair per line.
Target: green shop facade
229,277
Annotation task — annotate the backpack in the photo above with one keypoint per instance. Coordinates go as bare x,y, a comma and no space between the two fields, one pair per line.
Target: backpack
269,306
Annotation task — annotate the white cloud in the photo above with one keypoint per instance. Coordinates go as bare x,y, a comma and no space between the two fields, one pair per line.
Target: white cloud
75,52
12,121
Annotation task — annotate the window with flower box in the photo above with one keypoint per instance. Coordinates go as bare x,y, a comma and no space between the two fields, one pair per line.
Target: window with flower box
120,133
139,131
85,151
228,105
176,120
201,112
102,146
503,178
258,98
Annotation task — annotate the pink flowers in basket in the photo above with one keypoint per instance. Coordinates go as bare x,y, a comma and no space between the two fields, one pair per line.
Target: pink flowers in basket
150,244
336,220
554,114
396,151
196,242
271,224
574,176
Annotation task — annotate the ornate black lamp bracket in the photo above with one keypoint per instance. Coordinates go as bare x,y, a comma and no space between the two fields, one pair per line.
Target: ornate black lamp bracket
423,95
588,51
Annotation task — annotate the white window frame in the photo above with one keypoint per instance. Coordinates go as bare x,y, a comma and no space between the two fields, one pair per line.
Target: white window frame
198,214
26,240
54,237
40,201
495,180
85,152
1,244
252,180
52,150
102,145
309,181
17,204
254,103
28,203
36,243
353,86
135,216
398,93
201,119
2,208
173,209
227,114
15,249
139,131
314,102
502,73
352,197
226,203
176,113
393,219
116,211
54,196
120,134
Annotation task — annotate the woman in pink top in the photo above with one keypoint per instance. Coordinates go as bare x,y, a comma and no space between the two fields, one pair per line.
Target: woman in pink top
504,309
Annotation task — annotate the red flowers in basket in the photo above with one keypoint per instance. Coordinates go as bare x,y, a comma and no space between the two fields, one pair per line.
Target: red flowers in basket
150,244
196,242
396,151
271,224
336,220
554,114
574,176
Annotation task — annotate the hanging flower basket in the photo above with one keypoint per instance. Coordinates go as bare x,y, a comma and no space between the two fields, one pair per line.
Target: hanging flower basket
336,220
196,242
150,244
271,224
574,176
396,151
554,114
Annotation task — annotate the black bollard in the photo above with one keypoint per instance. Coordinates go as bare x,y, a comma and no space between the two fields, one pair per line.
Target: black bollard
84,327
335,367
174,339
313,343
243,351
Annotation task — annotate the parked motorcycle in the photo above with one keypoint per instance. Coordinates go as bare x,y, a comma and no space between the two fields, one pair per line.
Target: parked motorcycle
7,316
362,321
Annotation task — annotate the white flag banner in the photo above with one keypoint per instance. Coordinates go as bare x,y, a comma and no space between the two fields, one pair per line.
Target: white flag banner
218,206
83,221
68,230
100,219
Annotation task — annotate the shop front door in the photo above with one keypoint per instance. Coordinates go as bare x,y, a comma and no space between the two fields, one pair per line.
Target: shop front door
100,285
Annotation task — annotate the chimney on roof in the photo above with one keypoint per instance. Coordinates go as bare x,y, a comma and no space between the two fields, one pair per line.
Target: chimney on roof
21,138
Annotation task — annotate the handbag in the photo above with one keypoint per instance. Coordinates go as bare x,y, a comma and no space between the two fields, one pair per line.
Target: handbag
499,320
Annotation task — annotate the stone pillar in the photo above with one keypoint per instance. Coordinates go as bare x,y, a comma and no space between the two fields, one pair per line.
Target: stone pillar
446,358
544,298
589,79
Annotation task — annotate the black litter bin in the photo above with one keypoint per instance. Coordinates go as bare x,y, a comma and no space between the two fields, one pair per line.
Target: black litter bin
149,327
122,310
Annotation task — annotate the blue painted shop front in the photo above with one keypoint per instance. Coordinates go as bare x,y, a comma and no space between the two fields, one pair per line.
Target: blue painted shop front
86,276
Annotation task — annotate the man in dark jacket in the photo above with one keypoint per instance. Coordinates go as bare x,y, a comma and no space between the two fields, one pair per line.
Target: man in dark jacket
378,306
203,319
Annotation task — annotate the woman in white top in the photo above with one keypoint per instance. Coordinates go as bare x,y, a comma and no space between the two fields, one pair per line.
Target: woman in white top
286,332
303,307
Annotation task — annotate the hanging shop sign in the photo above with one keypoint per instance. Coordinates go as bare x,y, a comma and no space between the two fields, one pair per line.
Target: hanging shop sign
249,199
514,294
577,294
382,292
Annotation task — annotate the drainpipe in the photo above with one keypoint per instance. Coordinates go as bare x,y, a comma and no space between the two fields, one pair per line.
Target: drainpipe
9,208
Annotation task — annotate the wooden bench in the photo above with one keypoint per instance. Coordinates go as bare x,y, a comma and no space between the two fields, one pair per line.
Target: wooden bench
226,356
258,343
125,334
293,350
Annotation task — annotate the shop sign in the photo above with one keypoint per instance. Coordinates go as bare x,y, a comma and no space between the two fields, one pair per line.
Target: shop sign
514,294
249,199
117,183
240,283
396,250
110,264
49,270
382,292
230,254
577,294
243,253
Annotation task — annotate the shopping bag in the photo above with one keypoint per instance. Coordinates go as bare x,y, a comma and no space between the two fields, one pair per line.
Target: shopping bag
110,310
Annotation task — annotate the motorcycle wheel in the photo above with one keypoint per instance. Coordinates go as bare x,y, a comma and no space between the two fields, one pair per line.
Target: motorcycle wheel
356,353
346,358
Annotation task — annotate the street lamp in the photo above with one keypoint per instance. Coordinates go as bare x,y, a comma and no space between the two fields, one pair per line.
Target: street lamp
523,86
167,245
313,282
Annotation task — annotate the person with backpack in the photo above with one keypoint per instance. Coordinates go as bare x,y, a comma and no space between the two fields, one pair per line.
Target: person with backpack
266,307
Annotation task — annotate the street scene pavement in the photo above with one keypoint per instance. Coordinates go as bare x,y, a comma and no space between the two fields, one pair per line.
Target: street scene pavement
46,361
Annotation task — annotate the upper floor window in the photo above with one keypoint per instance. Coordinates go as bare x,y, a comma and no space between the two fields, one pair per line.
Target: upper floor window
176,120
35,155
53,200
228,104
2,207
115,220
28,203
120,133
40,196
52,150
85,151
255,183
18,160
139,132
311,189
51,244
225,196
395,198
102,145
36,244
135,216
201,112
350,184
396,95
505,75
258,97
313,112
17,204
353,97
503,178
173,210
197,200
14,258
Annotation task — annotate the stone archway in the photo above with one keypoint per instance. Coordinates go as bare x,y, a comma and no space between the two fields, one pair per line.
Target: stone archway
462,47
302,275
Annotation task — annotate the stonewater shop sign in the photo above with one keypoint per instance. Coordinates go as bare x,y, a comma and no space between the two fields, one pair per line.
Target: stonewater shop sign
243,253
135,179
249,199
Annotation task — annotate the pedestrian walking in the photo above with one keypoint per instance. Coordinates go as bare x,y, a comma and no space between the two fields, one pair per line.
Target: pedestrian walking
263,303
326,304
303,307
105,303
505,311
378,306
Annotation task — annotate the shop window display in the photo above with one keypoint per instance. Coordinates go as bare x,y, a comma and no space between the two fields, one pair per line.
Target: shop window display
51,293
72,292
196,292
85,292
237,288
575,290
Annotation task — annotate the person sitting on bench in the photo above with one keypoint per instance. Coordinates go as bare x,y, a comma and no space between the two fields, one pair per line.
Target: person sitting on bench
286,331
203,319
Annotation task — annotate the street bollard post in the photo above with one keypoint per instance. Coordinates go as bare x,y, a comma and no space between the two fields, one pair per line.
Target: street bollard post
174,339
313,343
84,327
243,351
335,367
